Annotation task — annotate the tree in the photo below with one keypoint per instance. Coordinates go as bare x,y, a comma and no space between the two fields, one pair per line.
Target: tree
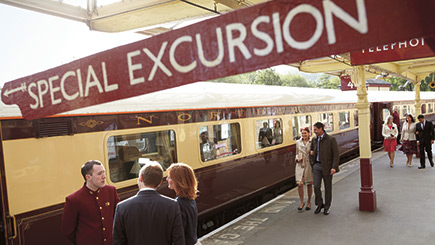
328,82
295,80
268,77
396,82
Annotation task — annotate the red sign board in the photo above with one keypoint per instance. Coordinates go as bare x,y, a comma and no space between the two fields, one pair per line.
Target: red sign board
264,35
410,49
347,84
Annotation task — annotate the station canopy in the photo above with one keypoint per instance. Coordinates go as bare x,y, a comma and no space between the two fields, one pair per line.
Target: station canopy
413,70
121,15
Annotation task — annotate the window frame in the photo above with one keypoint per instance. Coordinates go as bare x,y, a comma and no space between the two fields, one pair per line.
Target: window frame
224,158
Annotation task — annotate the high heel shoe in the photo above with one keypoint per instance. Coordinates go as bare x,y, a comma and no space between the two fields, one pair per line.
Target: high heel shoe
300,208
308,208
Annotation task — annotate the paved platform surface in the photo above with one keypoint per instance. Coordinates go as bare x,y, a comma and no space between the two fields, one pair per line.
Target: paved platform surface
405,211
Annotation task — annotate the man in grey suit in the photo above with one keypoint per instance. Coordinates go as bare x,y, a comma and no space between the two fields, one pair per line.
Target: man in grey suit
324,159
148,217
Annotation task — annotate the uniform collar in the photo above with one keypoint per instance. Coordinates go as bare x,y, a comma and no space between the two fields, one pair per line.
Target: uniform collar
91,192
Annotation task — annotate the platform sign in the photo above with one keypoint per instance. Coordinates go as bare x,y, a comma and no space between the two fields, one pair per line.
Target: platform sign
411,49
272,33
347,84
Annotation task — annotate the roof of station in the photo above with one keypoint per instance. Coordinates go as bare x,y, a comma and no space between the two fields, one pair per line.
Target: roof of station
121,15
208,95
413,70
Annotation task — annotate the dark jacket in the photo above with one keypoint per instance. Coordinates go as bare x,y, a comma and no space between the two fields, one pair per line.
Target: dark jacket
88,215
148,218
189,217
426,134
329,156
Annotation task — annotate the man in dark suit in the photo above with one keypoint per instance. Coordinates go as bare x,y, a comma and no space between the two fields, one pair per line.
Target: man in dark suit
88,213
425,138
148,217
324,159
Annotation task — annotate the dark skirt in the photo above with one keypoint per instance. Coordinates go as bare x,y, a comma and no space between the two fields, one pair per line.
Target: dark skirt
390,145
409,147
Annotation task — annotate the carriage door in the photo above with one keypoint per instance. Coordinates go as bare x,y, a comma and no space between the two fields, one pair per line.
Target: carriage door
380,111
6,226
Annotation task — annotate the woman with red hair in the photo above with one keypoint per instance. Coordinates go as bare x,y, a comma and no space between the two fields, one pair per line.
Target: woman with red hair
182,180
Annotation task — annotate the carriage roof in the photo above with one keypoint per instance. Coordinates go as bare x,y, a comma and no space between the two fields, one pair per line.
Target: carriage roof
207,95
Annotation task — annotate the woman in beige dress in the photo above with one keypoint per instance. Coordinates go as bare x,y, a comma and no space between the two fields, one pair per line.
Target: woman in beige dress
304,172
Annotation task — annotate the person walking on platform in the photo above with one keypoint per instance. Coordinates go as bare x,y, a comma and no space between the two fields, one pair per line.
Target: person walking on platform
396,120
408,139
324,161
88,213
182,180
390,133
304,172
425,138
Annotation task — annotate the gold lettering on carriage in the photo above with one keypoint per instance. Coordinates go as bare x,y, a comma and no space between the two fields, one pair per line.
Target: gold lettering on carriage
148,120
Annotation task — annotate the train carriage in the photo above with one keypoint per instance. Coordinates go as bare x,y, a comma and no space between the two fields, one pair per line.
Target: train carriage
214,127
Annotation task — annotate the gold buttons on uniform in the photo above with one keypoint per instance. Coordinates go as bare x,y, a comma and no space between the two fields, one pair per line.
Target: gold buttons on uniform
101,208
90,192
97,198
102,218
105,239
104,229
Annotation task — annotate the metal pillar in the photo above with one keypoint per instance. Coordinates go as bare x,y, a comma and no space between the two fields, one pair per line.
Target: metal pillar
367,195
417,104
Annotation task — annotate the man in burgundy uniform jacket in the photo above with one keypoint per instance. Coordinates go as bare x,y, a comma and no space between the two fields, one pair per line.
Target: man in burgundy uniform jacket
88,213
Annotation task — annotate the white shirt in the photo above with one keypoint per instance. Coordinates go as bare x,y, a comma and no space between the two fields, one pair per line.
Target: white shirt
409,134
387,132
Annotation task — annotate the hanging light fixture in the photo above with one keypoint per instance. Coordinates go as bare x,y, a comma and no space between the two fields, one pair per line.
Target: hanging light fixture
432,84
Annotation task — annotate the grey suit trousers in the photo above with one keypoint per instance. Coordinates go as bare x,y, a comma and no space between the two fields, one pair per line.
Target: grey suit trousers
327,181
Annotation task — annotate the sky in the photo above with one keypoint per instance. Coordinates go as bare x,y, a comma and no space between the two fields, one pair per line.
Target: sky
33,42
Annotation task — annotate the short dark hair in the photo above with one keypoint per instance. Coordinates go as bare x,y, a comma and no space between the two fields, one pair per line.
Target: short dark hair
320,125
88,167
152,174
420,116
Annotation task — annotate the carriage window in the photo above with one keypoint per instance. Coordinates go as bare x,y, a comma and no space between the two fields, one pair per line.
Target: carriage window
355,118
423,109
268,132
385,114
219,141
128,153
344,122
299,123
430,108
405,110
328,120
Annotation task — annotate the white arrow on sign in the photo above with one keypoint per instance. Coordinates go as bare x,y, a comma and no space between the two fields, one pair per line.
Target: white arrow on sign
21,88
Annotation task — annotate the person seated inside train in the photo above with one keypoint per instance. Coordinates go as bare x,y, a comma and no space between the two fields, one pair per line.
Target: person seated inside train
265,135
207,148
277,133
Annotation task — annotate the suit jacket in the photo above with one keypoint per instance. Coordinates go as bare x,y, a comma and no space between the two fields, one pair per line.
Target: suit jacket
425,134
189,217
148,218
88,215
329,156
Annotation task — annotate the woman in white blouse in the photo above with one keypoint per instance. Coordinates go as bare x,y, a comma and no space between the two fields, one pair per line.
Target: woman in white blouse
390,133
408,139
304,172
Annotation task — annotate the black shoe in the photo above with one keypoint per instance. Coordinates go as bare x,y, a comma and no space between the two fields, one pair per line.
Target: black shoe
318,209
300,208
326,211
308,208
421,167
431,164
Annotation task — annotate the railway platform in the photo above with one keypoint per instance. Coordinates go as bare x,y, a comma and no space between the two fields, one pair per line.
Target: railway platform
404,215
